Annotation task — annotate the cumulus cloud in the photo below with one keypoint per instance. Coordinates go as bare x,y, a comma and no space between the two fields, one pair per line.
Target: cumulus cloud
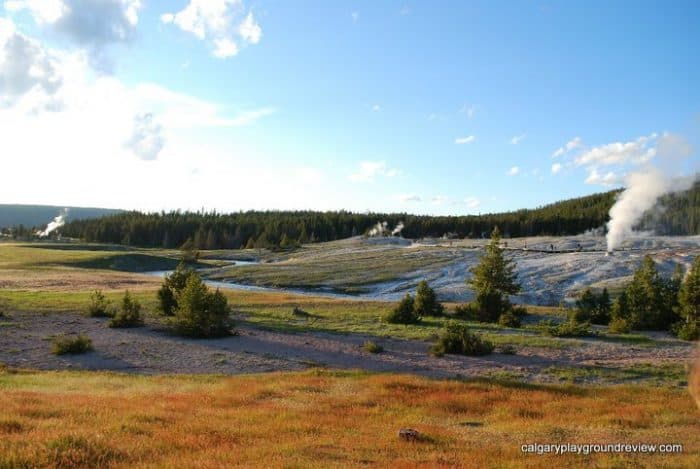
635,152
607,179
570,146
517,139
146,140
556,167
89,23
513,171
370,170
463,140
224,24
26,68
439,199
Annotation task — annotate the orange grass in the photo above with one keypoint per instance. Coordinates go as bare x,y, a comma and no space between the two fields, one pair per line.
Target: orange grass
327,419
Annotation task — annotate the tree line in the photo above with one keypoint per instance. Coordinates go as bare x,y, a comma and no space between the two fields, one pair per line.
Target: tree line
284,229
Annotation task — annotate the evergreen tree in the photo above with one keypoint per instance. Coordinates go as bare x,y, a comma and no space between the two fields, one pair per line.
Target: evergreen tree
493,278
689,304
426,303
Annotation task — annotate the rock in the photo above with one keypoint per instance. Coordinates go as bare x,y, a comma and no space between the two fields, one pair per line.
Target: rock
409,434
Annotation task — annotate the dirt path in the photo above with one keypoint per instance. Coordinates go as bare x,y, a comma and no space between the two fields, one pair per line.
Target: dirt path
25,341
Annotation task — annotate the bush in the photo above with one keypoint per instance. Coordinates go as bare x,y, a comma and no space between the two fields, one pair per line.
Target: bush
129,315
507,349
466,311
687,330
619,326
173,285
201,313
457,339
63,345
403,313
591,307
426,303
519,311
100,306
372,347
569,328
508,319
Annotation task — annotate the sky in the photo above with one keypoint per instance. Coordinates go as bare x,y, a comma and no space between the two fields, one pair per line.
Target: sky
445,107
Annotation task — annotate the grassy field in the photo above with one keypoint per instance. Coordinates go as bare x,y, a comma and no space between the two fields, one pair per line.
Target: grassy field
328,419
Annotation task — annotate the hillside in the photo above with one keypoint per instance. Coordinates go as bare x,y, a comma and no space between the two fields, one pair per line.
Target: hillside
39,215
681,216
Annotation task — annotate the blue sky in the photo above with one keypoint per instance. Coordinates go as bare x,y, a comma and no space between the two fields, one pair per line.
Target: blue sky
425,107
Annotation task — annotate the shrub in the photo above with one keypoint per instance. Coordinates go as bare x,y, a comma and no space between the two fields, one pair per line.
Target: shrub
466,311
173,285
403,313
372,347
507,349
129,315
100,306
201,313
591,307
619,326
426,303
519,311
568,328
687,330
63,345
457,339
508,319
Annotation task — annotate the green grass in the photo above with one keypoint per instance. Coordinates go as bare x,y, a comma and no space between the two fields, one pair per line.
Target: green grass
669,375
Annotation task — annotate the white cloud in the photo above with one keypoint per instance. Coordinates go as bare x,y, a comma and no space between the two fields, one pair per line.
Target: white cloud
370,170
472,202
146,140
376,108
468,110
608,179
91,23
635,152
513,171
406,198
570,146
250,30
26,69
355,16
219,22
556,167
517,139
224,48
463,140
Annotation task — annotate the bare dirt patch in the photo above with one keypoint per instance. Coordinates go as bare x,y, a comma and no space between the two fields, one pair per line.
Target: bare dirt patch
26,343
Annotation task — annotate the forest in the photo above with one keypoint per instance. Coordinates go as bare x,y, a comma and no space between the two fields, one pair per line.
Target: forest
676,214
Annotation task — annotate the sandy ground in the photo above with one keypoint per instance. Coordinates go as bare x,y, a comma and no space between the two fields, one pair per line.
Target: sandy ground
25,342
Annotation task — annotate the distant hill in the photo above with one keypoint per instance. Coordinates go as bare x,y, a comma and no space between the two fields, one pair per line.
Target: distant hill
39,215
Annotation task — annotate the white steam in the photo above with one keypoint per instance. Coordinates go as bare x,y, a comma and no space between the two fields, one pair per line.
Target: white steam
382,229
644,187
397,230
57,222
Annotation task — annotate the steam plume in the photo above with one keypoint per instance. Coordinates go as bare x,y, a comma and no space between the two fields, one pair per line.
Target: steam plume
380,229
57,222
644,187
397,230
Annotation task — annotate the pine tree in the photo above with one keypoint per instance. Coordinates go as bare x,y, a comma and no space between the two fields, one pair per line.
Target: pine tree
689,304
493,279
426,303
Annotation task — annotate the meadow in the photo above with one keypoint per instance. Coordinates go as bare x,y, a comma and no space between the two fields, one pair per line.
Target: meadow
328,419
630,388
